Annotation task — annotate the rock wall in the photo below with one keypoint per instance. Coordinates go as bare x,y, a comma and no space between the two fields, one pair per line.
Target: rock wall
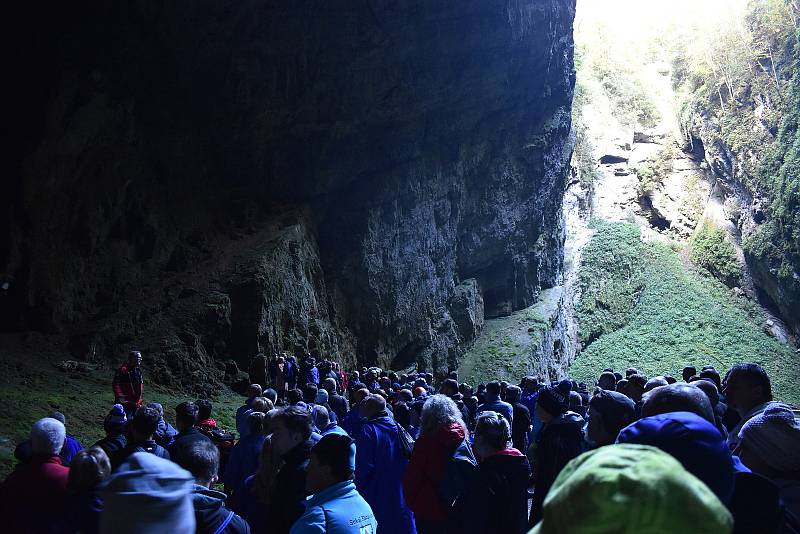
211,180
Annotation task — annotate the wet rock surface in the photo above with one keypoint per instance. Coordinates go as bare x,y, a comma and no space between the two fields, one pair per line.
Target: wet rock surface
211,181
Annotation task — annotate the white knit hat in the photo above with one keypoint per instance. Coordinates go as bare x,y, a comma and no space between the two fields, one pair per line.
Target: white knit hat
774,437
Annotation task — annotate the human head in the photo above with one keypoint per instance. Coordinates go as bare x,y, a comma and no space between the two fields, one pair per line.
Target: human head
290,427
329,384
607,381
115,421
688,372
609,412
373,406
320,417
322,396
310,393
47,437
575,401
145,423
255,422
58,416
693,441
553,401
769,443
493,389
261,404
439,411
492,434
253,390
678,398
711,374
631,488
708,387
360,395
186,416
201,459
158,408
747,386
531,384
135,358
272,395
332,461
513,394
87,469
204,408
449,387
635,388
631,371
655,382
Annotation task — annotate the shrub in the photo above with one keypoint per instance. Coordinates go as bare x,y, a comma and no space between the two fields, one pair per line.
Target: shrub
709,249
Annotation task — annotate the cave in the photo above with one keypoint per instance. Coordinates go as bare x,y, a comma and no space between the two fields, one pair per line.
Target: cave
208,182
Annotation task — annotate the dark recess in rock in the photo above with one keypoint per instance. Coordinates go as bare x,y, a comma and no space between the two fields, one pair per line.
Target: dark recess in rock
214,180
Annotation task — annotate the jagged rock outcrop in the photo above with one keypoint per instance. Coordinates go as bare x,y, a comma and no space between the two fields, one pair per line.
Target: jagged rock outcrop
210,180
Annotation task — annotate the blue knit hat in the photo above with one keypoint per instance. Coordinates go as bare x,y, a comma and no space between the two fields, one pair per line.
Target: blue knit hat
116,419
693,441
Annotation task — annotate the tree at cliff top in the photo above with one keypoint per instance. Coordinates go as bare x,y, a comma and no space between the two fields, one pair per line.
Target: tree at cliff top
739,87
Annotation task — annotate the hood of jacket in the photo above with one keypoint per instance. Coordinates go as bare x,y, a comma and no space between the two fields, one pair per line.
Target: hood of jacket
693,441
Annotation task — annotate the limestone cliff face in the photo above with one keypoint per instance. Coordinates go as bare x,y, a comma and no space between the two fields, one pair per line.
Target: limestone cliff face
211,180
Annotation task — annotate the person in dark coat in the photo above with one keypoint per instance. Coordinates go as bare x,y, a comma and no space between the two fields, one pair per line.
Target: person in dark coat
83,505
380,466
33,494
559,441
201,459
186,416
165,432
140,437
493,403
291,439
522,419
496,500
114,425
243,461
253,391
609,412
337,403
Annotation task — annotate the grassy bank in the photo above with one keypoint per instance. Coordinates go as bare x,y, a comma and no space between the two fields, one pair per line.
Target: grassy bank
33,387
641,307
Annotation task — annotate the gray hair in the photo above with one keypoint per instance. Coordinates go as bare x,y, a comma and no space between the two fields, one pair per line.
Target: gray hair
494,429
438,411
47,436
157,407
321,417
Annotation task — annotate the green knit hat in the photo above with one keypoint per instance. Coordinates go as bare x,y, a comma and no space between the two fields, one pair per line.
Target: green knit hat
629,488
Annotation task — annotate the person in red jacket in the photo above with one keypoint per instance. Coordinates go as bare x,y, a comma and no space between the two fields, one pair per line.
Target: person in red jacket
128,383
442,430
33,494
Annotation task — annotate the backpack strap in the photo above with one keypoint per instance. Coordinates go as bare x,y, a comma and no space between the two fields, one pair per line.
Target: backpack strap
325,513
222,526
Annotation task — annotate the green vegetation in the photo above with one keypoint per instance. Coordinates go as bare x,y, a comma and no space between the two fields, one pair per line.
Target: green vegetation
35,388
508,346
640,307
653,172
740,75
709,249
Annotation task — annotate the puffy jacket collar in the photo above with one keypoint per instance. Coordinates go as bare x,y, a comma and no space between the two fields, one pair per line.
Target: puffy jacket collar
450,434
509,451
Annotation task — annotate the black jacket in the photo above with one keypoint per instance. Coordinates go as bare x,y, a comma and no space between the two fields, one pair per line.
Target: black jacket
496,500
520,427
146,446
112,444
338,404
210,513
289,489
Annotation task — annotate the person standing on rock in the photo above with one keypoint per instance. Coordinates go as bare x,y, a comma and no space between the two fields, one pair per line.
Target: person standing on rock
128,384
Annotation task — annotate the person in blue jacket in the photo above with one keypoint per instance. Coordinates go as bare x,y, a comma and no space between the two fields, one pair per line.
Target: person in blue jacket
335,506
380,466
243,460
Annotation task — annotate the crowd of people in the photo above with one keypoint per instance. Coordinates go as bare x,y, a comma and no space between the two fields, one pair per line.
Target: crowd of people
375,451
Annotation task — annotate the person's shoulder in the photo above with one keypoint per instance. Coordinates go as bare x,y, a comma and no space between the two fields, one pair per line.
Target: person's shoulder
312,520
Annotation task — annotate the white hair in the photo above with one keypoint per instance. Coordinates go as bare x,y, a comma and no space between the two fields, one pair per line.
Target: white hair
438,411
47,436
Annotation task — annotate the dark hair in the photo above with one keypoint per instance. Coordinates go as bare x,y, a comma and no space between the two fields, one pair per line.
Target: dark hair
87,469
310,392
293,396
201,459
295,419
204,407
271,394
145,421
631,371
187,412
255,422
334,450
494,428
451,386
493,388
754,375
637,380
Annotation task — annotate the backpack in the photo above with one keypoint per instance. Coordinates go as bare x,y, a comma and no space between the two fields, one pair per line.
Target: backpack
461,466
406,441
